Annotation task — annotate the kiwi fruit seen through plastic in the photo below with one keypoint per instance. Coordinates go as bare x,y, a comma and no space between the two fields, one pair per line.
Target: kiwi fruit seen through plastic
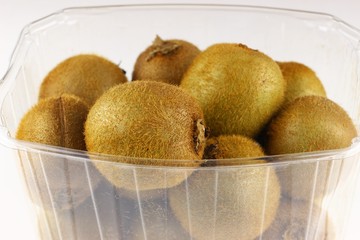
85,75
165,60
301,80
156,222
57,121
238,88
103,215
139,120
228,203
232,203
231,148
307,124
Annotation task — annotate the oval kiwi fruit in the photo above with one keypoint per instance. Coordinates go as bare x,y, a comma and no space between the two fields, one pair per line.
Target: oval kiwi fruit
310,123
165,60
233,203
238,88
231,146
140,120
307,124
301,80
57,121
85,75
237,202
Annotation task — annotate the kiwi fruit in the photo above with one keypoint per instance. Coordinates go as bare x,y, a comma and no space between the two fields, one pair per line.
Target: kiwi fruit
238,88
140,120
301,80
56,121
232,146
237,202
165,60
297,220
85,75
308,124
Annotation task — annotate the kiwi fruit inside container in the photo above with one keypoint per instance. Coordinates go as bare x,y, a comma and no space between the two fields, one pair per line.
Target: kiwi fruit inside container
185,198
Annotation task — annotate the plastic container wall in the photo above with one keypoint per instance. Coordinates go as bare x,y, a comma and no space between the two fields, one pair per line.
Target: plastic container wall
73,201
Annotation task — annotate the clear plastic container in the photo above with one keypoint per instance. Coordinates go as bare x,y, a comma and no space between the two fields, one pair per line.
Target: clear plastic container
75,202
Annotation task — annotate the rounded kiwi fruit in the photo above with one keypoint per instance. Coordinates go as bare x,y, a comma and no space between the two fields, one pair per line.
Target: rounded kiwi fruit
307,124
297,220
301,80
228,203
235,203
85,75
165,60
57,121
232,146
238,88
310,123
140,120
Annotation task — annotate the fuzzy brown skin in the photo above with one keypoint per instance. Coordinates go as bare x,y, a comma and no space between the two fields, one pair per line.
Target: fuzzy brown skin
146,119
165,61
228,204
297,220
87,76
301,81
232,146
309,123
236,203
57,121
239,89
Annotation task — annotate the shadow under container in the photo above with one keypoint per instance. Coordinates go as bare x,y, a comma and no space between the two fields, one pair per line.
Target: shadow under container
73,201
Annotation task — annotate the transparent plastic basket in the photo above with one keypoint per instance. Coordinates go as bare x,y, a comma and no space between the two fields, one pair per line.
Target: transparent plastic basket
73,201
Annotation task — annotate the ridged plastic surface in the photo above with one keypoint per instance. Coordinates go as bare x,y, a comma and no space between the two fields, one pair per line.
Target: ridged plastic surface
77,202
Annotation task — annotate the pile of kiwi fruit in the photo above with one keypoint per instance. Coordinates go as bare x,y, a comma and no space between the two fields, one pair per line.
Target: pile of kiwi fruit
198,127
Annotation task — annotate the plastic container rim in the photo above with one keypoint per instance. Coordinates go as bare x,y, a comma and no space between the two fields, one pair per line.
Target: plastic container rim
269,160
20,49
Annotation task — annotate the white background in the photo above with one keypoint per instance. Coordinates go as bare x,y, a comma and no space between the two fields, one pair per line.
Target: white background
15,213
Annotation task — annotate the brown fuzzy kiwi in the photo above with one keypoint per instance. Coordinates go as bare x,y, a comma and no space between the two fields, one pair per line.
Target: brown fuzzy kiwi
57,121
238,88
301,80
297,220
228,203
309,123
165,60
140,120
232,146
85,75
